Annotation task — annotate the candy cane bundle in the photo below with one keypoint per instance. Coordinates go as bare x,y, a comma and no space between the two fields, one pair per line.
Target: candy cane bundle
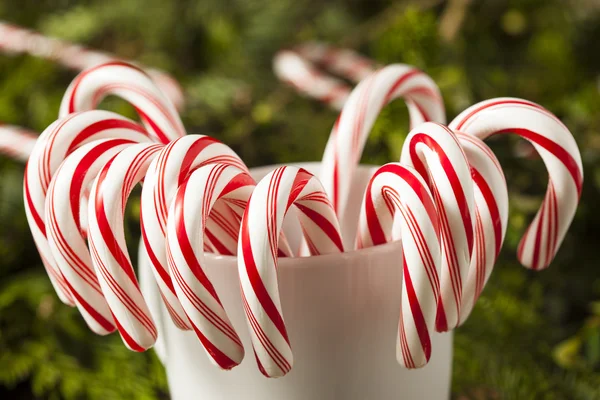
75,129
446,200
555,143
54,144
15,39
65,136
168,171
470,240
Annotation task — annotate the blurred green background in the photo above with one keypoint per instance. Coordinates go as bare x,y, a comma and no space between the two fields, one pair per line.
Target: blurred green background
531,336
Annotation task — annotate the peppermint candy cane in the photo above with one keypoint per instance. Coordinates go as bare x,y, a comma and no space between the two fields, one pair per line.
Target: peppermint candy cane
54,144
64,234
16,143
16,39
108,247
397,189
169,169
489,223
186,227
297,68
558,149
257,256
350,132
434,151
133,85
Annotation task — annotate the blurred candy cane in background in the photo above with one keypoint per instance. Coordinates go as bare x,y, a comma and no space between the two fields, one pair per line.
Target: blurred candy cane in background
16,143
299,68
17,40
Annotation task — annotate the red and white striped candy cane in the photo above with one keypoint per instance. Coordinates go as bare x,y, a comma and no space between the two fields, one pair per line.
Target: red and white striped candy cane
64,234
491,217
133,85
54,144
170,169
16,143
397,189
108,247
257,255
15,39
186,227
558,149
434,151
489,223
350,132
298,67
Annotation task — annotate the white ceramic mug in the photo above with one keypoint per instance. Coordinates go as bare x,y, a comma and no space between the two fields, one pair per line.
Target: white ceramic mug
342,315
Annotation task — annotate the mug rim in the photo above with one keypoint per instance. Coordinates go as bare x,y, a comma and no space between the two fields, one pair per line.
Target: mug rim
322,259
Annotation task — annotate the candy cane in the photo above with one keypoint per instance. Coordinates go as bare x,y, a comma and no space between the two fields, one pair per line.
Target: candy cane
434,151
54,144
133,85
257,256
169,169
491,217
65,239
186,226
397,189
108,247
16,143
296,67
558,149
464,271
16,39
350,132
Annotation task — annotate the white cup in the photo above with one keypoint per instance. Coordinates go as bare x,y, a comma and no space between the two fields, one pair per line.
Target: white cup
341,312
